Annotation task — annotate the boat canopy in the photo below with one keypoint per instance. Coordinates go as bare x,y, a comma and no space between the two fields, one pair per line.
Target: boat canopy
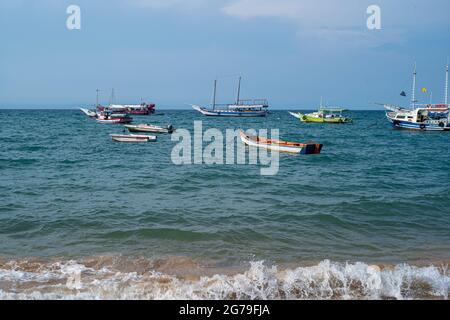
332,110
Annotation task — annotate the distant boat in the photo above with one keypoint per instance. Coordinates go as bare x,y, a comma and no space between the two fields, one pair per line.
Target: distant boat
134,109
132,138
241,108
323,115
149,128
423,117
281,146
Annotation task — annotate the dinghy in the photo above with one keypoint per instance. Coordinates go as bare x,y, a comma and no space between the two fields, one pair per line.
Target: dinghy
132,138
149,128
281,146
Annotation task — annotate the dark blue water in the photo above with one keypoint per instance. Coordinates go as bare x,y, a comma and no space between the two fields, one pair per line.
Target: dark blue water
374,194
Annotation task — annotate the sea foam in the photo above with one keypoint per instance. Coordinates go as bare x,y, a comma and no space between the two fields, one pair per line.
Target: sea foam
325,280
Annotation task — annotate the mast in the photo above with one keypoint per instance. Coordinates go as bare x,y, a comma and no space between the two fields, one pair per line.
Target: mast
97,97
413,99
238,91
321,101
446,84
214,95
112,97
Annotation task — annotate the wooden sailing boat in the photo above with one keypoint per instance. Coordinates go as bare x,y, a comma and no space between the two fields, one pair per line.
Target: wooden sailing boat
241,108
424,117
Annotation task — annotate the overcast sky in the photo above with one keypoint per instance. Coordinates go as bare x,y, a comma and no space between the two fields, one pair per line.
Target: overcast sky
170,51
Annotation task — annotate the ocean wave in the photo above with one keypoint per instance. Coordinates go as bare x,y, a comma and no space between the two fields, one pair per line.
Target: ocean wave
183,278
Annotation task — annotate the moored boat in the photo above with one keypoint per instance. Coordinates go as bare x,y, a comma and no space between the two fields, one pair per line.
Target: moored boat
113,118
281,146
323,115
132,138
133,109
241,108
423,117
149,128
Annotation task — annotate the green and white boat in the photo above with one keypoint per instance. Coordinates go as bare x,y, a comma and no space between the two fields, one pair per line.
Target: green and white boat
323,115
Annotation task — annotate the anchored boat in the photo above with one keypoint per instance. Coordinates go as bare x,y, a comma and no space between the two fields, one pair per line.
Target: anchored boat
241,108
424,117
113,118
134,109
132,138
323,115
149,128
281,146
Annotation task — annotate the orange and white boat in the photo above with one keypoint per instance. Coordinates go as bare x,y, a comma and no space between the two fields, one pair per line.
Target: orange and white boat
281,146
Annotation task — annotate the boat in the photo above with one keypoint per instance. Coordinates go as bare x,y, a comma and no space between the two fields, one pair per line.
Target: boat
323,115
133,109
240,108
132,138
149,128
112,118
89,113
422,117
281,146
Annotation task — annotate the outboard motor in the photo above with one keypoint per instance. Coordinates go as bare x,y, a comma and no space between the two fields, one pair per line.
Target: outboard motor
169,128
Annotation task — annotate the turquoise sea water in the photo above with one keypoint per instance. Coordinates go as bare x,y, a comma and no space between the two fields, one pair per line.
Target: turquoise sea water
374,194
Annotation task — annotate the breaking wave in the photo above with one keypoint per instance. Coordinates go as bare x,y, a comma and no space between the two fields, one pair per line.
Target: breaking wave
116,278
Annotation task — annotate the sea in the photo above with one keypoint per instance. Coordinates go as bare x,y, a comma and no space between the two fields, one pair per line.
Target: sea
84,217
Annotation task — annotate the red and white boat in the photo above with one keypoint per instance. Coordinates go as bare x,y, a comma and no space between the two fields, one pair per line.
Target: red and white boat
113,118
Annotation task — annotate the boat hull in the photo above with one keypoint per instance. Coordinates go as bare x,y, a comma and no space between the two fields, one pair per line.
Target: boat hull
153,129
115,120
410,125
132,138
307,118
281,146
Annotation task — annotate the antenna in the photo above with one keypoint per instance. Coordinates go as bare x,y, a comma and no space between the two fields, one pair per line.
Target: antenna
321,100
238,91
446,84
97,97
413,99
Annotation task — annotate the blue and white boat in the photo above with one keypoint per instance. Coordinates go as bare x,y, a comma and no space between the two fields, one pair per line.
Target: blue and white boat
241,108
424,117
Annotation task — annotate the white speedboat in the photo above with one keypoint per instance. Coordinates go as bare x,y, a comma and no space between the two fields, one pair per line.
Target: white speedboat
132,138
149,128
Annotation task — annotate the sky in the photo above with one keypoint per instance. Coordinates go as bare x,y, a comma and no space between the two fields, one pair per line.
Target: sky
169,52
